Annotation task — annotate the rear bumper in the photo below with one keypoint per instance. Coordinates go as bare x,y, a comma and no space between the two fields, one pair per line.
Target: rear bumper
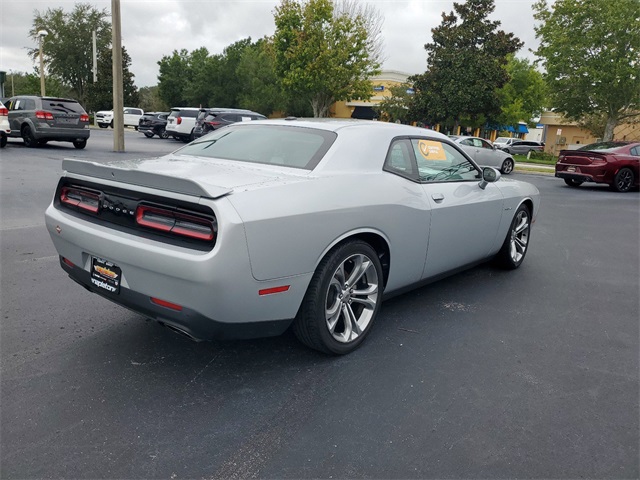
62,134
584,173
188,322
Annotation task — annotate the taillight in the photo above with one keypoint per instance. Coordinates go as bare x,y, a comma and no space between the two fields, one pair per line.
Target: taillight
213,124
177,223
42,115
598,161
4,111
83,199
84,117
179,120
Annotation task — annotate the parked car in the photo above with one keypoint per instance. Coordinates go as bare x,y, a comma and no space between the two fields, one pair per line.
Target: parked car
131,117
5,130
502,142
154,123
523,147
210,119
613,163
181,122
39,120
484,153
266,224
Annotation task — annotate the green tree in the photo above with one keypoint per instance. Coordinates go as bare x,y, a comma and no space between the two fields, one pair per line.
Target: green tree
99,95
323,54
19,83
150,100
465,67
396,106
67,49
591,52
173,77
524,95
262,91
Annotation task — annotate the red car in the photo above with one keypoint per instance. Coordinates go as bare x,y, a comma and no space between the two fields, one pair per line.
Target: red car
614,163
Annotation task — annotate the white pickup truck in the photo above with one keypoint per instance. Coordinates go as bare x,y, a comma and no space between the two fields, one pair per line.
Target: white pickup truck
132,116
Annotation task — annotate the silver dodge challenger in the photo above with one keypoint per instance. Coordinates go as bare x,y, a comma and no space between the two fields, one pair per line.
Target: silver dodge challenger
265,225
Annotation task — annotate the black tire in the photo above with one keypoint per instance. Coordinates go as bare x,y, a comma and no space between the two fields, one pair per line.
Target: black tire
111,124
42,143
3,141
80,144
573,183
136,128
516,244
28,138
103,125
623,181
507,166
329,290
163,134
148,134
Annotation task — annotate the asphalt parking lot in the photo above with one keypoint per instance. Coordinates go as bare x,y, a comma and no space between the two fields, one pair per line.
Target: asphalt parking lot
486,374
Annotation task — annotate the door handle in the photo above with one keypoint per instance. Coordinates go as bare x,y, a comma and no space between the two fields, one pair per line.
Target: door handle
437,197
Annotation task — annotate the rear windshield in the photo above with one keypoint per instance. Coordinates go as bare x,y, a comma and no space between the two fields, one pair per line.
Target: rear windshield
296,147
604,146
60,105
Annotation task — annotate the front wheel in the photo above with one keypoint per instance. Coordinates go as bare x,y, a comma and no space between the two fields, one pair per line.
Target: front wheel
163,134
342,300
80,144
623,181
573,183
148,134
516,244
507,166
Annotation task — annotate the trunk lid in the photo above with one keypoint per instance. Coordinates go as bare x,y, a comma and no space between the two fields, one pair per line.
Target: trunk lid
209,178
574,157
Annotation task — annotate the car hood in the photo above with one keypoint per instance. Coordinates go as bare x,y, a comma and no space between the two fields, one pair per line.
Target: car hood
205,177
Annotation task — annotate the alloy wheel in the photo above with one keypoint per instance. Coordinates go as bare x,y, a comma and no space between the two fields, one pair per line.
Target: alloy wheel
351,298
519,236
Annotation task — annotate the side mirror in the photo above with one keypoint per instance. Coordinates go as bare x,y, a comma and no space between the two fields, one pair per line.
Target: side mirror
495,147
489,175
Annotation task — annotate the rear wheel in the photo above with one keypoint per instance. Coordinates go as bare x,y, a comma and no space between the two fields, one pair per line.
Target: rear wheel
3,141
80,144
163,134
342,300
573,183
507,166
148,134
516,244
28,138
623,181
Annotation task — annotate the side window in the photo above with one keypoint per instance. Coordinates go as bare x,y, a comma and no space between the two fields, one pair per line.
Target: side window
467,141
486,145
477,142
440,162
635,151
399,159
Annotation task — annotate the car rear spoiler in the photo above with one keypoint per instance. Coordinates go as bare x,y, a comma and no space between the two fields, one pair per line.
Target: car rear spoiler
143,178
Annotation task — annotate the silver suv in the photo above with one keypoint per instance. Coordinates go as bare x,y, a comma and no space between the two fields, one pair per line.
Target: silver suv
41,119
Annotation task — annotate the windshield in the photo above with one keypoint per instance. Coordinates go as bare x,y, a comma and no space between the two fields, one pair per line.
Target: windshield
501,140
295,147
604,146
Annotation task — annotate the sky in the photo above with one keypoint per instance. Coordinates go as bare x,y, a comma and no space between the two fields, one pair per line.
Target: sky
154,28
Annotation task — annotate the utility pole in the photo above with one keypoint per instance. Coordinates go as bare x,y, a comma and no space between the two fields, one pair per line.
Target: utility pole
95,57
41,35
118,101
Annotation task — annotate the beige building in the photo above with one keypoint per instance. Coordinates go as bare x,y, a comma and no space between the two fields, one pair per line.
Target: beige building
560,133
364,108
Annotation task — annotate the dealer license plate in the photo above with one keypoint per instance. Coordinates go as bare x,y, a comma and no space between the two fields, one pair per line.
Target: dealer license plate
105,275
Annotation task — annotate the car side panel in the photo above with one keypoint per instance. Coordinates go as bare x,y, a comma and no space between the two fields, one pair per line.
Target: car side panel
290,228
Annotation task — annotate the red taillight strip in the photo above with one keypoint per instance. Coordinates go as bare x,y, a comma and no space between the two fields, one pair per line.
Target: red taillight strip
271,291
4,112
70,196
164,303
84,117
42,115
175,222
68,262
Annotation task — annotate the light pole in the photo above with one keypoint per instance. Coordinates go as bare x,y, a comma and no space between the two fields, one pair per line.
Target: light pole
41,35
